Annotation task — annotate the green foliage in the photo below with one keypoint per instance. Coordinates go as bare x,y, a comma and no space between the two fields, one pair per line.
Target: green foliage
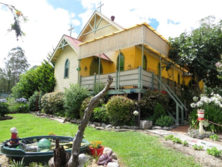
84,105
214,137
177,140
73,99
17,163
169,137
119,109
185,143
3,107
19,108
214,151
52,102
196,147
100,114
164,121
200,50
35,98
150,100
158,112
38,79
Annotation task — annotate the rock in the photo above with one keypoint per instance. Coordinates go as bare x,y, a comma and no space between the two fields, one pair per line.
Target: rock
125,127
107,150
99,128
109,126
157,127
114,156
78,121
173,126
73,121
103,125
120,130
117,127
145,124
166,128
134,127
112,164
82,160
96,123
92,125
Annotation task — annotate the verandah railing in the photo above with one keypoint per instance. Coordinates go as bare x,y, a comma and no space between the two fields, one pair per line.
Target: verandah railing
137,80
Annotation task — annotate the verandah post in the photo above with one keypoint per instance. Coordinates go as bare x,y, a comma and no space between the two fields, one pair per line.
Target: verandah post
177,114
139,77
99,70
94,82
152,86
116,82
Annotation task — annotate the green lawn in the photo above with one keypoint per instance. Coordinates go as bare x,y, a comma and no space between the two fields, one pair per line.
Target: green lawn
134,149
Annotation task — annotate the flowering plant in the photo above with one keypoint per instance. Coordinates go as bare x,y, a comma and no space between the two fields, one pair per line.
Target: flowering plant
21,100
135,113
96,144
3,101
52,134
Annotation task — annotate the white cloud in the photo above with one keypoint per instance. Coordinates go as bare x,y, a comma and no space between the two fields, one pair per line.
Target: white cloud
44,29
76,22
131,12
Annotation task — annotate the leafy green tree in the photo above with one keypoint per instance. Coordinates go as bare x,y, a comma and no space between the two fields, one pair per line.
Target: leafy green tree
199,51
37,79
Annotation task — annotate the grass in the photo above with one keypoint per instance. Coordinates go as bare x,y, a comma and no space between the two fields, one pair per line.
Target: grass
134,149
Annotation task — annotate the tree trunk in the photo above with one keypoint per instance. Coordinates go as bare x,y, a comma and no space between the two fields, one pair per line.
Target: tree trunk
73,161
60,157
197,84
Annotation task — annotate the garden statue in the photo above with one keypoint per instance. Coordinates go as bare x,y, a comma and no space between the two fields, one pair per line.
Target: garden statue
104,159
14,137
200,113
82,160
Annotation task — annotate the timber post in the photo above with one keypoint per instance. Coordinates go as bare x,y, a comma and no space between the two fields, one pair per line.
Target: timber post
139,77
177,114
152,84
116,82
80,80
94,81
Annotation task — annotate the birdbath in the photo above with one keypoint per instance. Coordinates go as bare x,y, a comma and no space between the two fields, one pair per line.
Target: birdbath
200,113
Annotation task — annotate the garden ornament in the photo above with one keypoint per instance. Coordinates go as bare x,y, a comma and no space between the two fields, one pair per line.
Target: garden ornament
104,159
82,160
14,137
200,113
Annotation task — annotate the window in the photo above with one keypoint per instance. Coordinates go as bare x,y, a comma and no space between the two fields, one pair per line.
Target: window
178,79
144,62
66,72
121,58
158,69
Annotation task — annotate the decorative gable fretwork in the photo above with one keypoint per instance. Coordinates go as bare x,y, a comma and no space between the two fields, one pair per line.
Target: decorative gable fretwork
63,44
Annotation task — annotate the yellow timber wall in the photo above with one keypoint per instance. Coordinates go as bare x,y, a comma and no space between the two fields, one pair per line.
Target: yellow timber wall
61,82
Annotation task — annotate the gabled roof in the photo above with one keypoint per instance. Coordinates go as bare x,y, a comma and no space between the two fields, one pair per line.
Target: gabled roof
74,44
64,41
102,16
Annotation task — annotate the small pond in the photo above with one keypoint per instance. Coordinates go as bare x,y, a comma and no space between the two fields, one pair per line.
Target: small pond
28,148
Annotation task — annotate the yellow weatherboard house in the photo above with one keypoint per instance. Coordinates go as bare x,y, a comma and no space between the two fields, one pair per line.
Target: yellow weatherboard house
135,57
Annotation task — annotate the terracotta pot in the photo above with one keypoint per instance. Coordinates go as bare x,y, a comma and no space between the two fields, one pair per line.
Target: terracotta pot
96,151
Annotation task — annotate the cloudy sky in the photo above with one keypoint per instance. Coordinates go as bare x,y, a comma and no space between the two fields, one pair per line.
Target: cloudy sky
50,19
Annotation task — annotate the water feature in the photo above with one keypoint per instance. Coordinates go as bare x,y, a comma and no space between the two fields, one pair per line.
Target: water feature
33,149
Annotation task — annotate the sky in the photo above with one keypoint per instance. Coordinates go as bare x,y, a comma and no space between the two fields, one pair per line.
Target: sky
50,19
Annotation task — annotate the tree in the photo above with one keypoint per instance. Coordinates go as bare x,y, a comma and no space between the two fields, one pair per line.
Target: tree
199,51
18,17
36,79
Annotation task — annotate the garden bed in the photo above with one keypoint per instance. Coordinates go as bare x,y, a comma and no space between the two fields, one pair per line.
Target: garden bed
2,118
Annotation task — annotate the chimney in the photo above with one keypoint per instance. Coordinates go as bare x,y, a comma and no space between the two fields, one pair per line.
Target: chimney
112,18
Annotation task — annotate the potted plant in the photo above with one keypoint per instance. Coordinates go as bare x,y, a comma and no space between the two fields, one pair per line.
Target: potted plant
96,148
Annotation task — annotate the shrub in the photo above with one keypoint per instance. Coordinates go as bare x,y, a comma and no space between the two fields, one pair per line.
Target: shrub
35,98
164,121
158,111
3,107
185,143
214,137
150,100
18,106
52,102
100,114
73,99
119,109
214,151
84,105
169,137
196,147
